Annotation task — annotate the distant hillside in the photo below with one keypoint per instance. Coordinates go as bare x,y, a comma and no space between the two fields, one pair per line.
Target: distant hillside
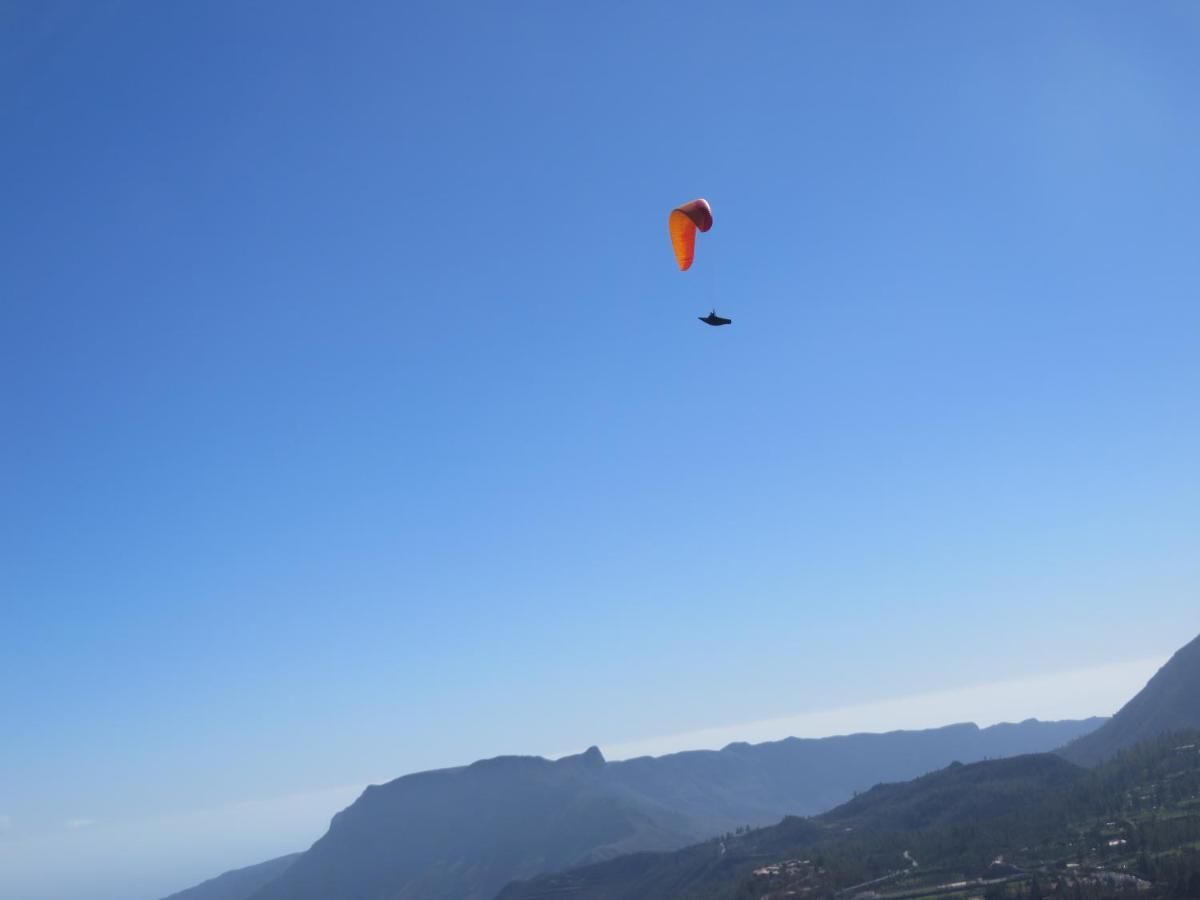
1170,701
462,834
756,784
238,884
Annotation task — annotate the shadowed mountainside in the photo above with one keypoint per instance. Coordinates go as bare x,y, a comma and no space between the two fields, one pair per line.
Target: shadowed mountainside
1170,701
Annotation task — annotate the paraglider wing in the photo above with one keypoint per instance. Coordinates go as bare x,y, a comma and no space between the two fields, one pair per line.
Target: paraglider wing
685,220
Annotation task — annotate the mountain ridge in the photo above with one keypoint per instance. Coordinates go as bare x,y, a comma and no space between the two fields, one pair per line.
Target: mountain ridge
465,832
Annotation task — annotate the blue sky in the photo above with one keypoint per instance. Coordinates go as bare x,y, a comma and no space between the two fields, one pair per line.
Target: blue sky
358,420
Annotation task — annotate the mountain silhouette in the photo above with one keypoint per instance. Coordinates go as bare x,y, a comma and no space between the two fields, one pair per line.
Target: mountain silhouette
464,833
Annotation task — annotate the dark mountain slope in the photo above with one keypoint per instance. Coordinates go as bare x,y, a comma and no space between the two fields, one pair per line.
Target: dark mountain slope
958,793
238,884
1170,701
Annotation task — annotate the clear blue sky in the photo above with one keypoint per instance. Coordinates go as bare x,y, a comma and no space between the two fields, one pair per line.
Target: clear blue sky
357,420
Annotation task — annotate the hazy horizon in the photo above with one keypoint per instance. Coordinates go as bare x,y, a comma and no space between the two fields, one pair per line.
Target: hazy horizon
195,845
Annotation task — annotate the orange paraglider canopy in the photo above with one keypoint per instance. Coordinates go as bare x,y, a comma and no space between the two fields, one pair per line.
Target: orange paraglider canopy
685,219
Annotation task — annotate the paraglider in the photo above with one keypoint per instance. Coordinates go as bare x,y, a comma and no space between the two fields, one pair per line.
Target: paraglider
686,220
713,319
